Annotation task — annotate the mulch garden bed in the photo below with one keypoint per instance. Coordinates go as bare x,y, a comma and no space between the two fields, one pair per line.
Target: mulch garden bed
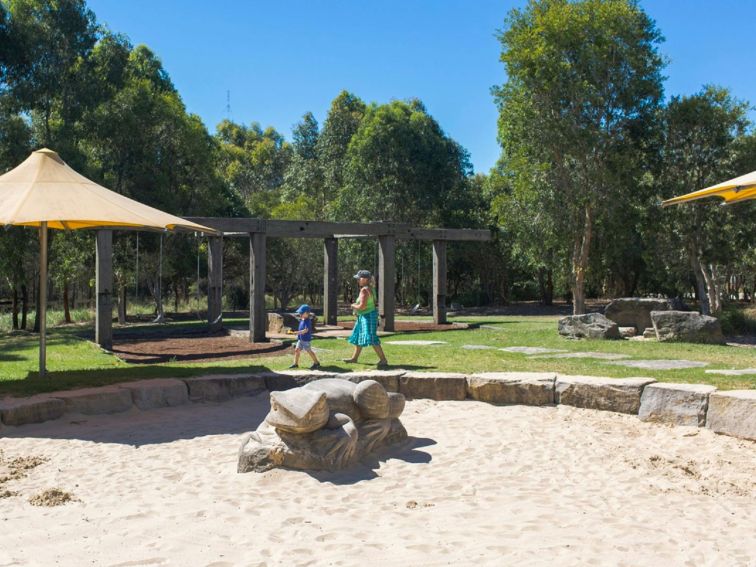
193,348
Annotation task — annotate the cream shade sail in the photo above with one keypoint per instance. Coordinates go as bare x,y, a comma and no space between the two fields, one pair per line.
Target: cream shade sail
735,190
44,188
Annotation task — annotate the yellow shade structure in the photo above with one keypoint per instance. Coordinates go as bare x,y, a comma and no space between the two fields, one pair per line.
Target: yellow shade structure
44,192
735,190
45,189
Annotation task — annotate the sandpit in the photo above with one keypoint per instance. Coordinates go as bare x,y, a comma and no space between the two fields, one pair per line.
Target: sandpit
477,484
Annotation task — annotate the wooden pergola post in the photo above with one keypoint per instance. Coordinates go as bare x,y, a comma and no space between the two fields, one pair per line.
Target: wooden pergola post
104,285
439,281
215,283
386,281
257,259
330,280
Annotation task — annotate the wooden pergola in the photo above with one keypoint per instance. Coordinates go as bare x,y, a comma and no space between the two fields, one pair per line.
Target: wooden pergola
259,230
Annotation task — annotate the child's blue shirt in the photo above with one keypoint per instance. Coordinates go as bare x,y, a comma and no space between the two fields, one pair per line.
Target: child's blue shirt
305,324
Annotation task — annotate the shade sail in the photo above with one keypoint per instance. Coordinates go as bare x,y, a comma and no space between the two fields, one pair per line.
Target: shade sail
735,190
44,192
44,189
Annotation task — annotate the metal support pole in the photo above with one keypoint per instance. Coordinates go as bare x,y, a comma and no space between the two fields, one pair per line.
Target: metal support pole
104,284
42,300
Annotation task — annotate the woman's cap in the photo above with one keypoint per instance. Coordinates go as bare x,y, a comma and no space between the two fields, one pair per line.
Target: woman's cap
363,274
304,308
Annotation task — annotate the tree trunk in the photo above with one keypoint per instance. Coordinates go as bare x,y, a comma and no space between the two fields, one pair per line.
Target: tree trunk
122,304
66,310
580,254
14,308
24,306
546,286
713,289
695,264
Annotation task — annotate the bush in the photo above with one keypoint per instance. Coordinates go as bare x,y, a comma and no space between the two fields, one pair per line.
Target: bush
737,321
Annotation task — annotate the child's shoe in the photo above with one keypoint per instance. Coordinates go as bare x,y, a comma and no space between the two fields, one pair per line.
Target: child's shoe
315,366
294,366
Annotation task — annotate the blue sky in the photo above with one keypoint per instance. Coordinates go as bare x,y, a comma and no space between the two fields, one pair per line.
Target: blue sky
281,59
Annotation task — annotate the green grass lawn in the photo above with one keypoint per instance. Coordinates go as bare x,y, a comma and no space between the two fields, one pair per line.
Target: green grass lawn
76,362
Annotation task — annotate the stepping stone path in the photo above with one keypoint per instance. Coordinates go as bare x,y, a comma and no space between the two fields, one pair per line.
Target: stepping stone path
531,350
733,372
477,347
597,355
661,364
415,343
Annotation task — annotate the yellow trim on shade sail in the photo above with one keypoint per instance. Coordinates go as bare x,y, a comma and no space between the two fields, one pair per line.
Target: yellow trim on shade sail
735,190
44,188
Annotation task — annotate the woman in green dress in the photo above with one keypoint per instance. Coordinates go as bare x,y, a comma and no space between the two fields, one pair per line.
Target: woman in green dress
365,332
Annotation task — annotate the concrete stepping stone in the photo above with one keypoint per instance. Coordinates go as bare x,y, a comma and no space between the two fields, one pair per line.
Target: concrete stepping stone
661,364
94,401
477,347
219,388
596,355
531,350
415,343
732,371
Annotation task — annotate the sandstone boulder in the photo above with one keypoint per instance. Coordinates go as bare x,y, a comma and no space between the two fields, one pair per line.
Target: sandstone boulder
609,394
635,311
160,393
525,388
35,409
676,404
733,413
224,387
588,326
93,401
433,385
686,326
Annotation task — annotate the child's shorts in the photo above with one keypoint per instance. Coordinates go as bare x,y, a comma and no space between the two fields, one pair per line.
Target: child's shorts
303,345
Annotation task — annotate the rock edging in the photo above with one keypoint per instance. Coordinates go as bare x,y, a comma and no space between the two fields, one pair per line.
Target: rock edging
730,413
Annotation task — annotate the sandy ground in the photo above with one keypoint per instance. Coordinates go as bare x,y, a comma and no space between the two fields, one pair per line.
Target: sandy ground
475,485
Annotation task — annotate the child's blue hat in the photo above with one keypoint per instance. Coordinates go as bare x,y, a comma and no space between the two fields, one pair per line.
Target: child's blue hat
304,308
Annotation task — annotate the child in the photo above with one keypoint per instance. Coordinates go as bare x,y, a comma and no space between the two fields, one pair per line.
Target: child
365,332
304,335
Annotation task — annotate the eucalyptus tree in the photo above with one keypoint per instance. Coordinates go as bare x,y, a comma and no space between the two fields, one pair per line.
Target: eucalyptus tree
342,122
583,84
401,167
705,142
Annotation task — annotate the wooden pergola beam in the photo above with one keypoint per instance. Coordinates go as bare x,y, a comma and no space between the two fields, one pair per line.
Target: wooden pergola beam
241,227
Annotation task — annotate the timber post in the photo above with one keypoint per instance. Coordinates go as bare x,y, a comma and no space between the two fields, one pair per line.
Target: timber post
330,280
257,259
439,281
